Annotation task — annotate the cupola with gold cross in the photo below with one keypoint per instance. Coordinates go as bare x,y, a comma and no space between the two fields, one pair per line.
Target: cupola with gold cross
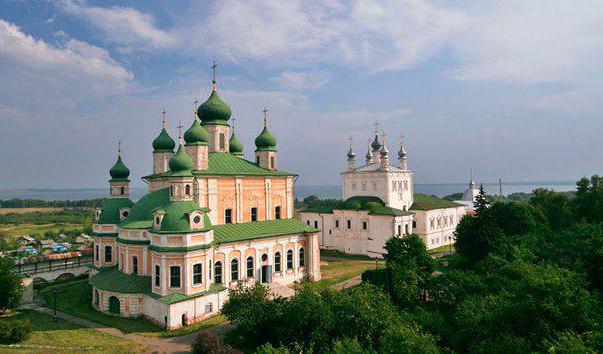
214,115
119,182
196,140
163,148
265,147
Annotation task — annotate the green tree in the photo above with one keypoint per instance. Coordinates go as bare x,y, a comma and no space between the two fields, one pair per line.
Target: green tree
481,202
409,266
12,286
407,339
555,206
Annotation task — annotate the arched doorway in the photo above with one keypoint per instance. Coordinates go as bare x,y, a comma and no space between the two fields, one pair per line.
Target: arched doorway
183,319
114,305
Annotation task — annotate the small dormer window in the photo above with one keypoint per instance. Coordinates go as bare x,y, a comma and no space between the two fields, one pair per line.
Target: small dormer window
196,220
157,220
97,214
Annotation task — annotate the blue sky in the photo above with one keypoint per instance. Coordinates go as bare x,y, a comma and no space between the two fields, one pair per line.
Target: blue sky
512,89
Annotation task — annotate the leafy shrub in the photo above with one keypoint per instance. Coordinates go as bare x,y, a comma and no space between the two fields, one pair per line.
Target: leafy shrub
14,331
207,343
374,276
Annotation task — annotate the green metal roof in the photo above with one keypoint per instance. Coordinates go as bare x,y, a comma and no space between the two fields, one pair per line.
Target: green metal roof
259,229
389,212
141,216
227,164
430,202
112,279
110,210
176,219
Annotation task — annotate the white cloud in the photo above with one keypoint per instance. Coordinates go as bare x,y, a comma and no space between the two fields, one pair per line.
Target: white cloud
378,35
299,80
74,61
529,42
124,26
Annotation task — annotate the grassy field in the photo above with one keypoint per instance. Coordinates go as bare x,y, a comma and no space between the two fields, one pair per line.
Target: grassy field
335,268
64,337
28,210
14,230
76,299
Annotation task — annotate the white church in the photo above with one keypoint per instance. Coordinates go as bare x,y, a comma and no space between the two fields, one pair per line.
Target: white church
379,203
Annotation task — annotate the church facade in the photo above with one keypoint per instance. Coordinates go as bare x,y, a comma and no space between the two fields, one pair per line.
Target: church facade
379,202
211,220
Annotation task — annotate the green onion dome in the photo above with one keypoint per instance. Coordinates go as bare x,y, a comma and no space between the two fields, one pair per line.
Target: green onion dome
163,142
234,145
180,161
265,141
214,110
196,134
119,171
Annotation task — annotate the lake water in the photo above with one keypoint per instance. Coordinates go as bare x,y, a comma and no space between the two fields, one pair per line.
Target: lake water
439,189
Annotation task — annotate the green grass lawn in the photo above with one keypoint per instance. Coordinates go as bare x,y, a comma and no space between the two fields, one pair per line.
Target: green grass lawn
445,248
76,299
14,230
61,337
335,269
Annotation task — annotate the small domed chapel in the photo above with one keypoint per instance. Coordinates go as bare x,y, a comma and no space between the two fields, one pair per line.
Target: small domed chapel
211,220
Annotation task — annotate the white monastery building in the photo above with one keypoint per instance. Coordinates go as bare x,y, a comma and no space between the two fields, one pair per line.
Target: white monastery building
210,221
378,203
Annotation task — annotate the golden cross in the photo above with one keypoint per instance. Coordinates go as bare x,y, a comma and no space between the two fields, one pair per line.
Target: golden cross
265,116
119,148
233,123
213,81
179,128
163,118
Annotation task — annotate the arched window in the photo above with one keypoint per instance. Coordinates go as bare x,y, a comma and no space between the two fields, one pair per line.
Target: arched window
197,274
254,214
272,163
187,189
96,299
234,269
114,304
122,190
218,272
172,191
277,262
289,259
228,216
250,267
96,253
302,257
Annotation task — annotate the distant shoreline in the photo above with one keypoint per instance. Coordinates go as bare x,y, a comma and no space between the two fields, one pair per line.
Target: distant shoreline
301,191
